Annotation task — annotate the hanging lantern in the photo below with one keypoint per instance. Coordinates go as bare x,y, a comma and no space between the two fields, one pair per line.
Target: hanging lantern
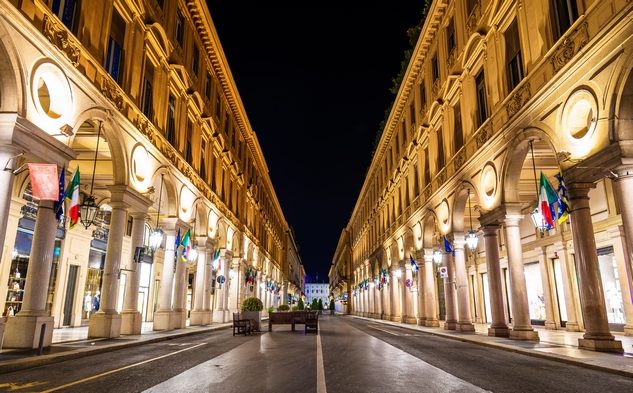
156,239
472,240
437,256
88,211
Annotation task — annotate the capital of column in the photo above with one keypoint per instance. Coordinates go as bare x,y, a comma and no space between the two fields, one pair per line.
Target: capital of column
142,216
490,229
459,240
201,242
124,197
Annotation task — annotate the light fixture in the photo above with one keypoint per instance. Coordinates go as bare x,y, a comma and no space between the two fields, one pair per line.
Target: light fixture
231,273
261,285
157,235
537,217
88,208
372,284
437,256
192,255
398,273
471,237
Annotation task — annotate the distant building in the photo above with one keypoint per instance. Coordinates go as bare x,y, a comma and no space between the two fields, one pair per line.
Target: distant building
317,291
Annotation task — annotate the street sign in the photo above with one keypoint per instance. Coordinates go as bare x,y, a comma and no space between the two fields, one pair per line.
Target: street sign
221,279
443,272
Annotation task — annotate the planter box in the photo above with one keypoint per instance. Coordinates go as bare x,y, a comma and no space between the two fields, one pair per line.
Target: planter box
255,316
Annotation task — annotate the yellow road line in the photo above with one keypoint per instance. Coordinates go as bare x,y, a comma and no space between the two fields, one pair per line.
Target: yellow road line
119,369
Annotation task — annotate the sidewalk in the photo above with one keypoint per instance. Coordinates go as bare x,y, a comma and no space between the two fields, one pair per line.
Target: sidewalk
70,343
556,345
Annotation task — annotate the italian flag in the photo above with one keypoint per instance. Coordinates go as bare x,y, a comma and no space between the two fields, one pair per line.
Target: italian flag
72,193
546,199
185,243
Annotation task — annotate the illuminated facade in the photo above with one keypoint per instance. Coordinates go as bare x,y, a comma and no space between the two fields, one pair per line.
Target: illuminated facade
497,92
144,87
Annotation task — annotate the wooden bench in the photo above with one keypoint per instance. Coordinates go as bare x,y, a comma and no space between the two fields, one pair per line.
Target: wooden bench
286,318
241,325
312,322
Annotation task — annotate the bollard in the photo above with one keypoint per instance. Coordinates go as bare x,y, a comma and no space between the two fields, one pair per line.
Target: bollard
40,346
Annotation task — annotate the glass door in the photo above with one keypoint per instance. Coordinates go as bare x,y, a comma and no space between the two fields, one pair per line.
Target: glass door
560,293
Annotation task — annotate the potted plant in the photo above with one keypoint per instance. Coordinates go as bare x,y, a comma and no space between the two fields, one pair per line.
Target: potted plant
252,309
300,306
284,307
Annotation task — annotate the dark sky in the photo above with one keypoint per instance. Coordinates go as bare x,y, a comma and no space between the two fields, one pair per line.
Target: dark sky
314,77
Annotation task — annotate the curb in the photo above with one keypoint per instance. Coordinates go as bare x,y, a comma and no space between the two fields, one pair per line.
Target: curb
37,361
543,355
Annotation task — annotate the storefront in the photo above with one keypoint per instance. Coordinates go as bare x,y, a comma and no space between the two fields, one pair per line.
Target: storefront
611,288
536,298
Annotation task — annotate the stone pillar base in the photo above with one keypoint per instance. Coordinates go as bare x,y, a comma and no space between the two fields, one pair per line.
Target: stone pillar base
161,320
24,332
600,345
450,325
179,319
498,332
528,335
396,318
131,322
550,325
572,327
199,318
628,330
432,323
465,327
386,317
409,320
219,316
102,325
422,322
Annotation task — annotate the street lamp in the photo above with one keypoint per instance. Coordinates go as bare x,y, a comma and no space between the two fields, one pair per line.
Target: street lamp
88,208
471,237
537,216
157,235
398,273
437,256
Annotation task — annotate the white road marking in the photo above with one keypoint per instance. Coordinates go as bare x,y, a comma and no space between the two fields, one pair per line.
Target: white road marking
120,369
320,369
385,330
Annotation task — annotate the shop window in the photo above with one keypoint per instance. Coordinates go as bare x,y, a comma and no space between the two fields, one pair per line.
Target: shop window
115,54
482,102
513,56
564,13
486,291
611,287
68,12
560,293
536,298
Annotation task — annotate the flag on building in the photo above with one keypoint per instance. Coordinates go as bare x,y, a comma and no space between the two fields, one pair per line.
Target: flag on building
185,243
43,185
72,193
59,205
414,264
563,202
448,247
547,197
177,244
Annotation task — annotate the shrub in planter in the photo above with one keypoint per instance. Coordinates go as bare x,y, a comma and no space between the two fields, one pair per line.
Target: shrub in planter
295,308
300,306
320,305
315,305
252,309
284,307
271,309
331,305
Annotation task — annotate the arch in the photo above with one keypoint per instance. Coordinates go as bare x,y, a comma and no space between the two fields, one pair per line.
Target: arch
623,127
409,242
236,244
170,205
516,154
460,203
200,219
429,229
222,230
474,42
12,75
161,36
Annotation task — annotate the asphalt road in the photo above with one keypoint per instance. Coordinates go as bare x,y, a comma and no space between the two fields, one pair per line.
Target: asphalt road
349,355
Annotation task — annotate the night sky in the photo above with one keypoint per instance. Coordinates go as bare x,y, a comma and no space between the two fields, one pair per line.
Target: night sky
314,78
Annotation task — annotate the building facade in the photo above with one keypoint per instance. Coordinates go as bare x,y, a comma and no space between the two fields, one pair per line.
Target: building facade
316,291
496,93
137,95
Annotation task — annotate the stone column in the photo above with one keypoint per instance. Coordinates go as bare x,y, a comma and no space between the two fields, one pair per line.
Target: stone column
179,314
131,319
521,325
284,292
386,300
221,294
208,283
550,322
430,291
378,301
624,190
197,316
163,315
498,326
597,336
450,293
408,315
464,320
571,324
24,329
623,263
419,256
6,183
107,321
395,295
234,288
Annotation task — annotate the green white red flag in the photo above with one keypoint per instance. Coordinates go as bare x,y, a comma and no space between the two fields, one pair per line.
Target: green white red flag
72,194
547,197
185,243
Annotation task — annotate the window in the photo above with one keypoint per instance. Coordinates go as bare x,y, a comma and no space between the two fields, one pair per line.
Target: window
422,95
188,156
218,106
148,102
565,13
482,102
450,36
513,56
412,115
459,133
427,168
195,60
180,28
170,129
440,150
68,12
470,6
115,54
435,68
208,85
203,160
